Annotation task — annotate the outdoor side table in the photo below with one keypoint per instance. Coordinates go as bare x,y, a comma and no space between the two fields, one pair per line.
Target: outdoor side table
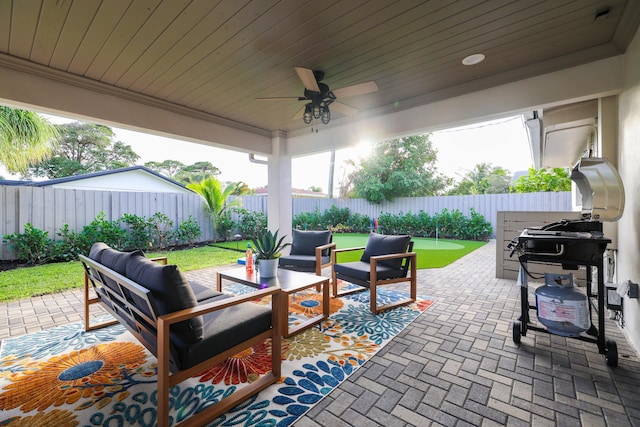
289,283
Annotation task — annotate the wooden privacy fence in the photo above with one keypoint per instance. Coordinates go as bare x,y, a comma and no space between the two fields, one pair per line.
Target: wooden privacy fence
49,209
487,205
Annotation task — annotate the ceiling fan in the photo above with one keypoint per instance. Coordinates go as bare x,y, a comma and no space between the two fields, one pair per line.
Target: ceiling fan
319,96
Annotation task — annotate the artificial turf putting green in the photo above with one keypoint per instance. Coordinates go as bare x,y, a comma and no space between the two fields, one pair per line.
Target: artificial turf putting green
431,253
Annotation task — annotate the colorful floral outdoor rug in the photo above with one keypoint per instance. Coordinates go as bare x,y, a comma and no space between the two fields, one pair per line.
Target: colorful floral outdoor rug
68,377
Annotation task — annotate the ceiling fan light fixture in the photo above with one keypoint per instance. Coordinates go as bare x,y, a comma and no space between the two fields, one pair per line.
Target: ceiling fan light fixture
307,116
317,111
319,96
326,115
474,59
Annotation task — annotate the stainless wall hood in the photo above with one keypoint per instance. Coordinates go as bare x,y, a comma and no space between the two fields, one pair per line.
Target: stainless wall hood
560,136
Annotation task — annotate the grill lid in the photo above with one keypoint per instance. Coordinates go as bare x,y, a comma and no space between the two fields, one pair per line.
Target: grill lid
601,189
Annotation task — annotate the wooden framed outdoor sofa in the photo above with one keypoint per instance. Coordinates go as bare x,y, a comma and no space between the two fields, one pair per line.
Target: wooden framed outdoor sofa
386,260
188,327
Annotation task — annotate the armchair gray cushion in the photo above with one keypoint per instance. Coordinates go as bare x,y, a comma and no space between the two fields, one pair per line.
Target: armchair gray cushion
305,242
362,271
302,262
379,244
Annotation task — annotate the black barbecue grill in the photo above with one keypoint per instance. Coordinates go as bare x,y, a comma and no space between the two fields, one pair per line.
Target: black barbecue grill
576,243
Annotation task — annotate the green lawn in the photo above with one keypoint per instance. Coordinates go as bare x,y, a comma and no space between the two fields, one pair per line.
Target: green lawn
45,279
430,253
49,278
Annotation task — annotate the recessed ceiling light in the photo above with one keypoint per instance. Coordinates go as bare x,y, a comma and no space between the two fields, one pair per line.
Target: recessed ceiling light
474,59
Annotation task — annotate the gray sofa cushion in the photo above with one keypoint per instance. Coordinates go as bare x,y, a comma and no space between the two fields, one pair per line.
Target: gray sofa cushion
171,292
305,242
379,244
205,294
95,253
224,329
116,261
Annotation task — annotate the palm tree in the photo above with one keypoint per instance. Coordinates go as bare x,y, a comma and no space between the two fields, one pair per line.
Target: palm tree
25,138
215,197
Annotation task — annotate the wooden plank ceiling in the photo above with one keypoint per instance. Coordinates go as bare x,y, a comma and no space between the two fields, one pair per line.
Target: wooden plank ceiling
218,56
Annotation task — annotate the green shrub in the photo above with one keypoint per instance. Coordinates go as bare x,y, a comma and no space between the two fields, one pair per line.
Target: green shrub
309,221
68,246
188,232
338,220
160,229
451,225
225,226
334,215
251,222
102,230
478,228
359,223
138,235
447,225
390,223
33,246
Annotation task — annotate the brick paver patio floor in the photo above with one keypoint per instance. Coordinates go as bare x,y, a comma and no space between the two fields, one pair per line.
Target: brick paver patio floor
456,365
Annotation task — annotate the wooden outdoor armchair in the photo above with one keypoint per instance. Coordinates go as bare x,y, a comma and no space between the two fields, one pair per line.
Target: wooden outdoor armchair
386,260
310,252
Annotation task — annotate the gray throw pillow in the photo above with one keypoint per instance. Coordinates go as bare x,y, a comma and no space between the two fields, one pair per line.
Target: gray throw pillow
96,250
171,292
116,260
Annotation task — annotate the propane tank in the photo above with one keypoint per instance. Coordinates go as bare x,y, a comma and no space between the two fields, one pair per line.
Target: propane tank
563,309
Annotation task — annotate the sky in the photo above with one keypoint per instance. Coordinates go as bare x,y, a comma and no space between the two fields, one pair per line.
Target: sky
501,142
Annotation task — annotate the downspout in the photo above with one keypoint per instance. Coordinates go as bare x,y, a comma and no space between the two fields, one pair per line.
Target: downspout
253,159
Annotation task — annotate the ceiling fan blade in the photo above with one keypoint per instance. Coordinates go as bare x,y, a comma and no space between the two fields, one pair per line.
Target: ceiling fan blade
308,78
299,113
282,98
343,108
359,89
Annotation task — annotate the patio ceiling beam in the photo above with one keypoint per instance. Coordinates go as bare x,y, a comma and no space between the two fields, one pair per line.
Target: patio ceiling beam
27,85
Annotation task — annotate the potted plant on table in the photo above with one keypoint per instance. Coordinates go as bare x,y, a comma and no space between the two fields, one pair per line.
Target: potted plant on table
268,249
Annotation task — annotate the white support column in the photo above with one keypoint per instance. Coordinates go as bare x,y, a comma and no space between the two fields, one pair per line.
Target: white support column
608,147
280,204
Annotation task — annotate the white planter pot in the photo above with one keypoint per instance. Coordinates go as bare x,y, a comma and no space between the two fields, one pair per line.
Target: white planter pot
268,267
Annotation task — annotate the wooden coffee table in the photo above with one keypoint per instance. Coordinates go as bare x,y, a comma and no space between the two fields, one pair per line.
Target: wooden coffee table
289,283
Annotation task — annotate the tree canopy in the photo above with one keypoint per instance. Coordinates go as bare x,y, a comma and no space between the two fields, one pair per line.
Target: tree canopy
25,138
403,167
556,179
84,148
178,171
483,179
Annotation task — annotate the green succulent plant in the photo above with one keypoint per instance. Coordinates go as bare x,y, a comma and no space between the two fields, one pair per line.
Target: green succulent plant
267,245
